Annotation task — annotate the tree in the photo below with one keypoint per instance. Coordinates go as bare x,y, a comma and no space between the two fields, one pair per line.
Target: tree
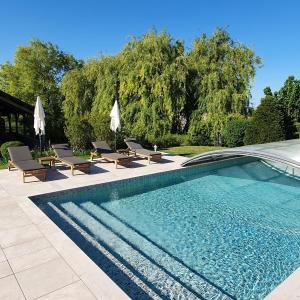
152,85
37,70
79,89
289,97
234,132
267,124
220,73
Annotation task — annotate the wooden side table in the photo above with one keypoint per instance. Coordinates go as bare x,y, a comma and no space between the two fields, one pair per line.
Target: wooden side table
123,151
47,160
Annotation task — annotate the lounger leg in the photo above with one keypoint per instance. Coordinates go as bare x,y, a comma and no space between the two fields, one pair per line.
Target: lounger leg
23,177
116,164
72,170
149,160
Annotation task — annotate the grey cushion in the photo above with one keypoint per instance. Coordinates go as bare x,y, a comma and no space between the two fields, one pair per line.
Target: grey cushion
102,147
62,150
147,152
19,153
72,160
115,156
28,165
133,144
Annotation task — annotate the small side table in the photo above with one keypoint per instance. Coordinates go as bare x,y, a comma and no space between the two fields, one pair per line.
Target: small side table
47,160
123,151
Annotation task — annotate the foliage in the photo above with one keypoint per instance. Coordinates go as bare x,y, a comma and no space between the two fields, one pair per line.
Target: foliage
169,140
164,92
79,132
220,72
289,98
234,132
267,124
200,133
4,148
37,70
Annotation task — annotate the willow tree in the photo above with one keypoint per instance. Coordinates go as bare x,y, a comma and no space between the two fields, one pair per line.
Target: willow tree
106,92
220,74
152,85
37,70
79,89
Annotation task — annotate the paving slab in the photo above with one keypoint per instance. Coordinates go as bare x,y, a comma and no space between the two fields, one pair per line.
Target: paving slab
18,235
25,248
9,289
5,269
75,291
45,278
33,259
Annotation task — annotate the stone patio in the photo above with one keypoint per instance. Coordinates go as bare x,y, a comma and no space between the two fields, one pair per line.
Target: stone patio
37,260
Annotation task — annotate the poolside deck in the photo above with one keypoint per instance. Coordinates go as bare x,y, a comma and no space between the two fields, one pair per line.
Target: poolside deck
37,260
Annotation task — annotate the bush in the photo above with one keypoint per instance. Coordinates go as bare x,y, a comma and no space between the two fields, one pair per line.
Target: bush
79,133
267,124
234,132
199,134
4,151
169,140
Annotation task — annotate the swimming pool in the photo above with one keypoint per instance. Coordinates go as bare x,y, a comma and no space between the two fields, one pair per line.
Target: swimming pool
226,230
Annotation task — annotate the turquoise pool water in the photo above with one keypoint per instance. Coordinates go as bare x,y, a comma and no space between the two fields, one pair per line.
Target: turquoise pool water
228,230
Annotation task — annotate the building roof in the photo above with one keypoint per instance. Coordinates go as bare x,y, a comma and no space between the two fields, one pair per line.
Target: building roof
13,104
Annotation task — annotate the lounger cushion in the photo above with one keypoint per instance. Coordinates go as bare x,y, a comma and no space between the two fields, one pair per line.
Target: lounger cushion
116,156
72,160
62,150
133,144
102,147
19,153
147,152
28,165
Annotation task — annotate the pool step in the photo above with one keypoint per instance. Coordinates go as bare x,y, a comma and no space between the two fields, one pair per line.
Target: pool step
158,271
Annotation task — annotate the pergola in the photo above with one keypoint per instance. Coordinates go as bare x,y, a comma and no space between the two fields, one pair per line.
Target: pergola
16,119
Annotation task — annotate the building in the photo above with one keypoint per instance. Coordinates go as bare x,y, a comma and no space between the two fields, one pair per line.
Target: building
16,119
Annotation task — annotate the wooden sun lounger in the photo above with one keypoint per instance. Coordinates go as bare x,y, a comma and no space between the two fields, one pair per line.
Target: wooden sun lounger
137,150
102,150
65,155
21,158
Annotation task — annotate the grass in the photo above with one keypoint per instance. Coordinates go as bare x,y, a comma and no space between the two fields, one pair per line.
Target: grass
189,151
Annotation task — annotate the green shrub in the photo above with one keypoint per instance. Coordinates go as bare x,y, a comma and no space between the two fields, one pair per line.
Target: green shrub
79,132
267,124
199,134
234,132
169,140
4,146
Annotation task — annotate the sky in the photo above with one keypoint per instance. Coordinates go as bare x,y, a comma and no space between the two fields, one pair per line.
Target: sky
88,28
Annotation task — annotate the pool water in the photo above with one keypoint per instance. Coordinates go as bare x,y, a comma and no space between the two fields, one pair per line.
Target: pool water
228,230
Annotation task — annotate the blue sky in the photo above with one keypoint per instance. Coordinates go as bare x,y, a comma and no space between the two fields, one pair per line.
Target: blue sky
87,28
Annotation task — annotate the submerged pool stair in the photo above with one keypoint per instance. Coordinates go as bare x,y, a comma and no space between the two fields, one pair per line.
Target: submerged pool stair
147,264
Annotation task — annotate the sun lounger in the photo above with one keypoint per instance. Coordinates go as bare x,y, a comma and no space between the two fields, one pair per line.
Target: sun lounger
21,158
65,155
103,150
137,149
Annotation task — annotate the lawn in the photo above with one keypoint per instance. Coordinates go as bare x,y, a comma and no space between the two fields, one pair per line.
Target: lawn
189,151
